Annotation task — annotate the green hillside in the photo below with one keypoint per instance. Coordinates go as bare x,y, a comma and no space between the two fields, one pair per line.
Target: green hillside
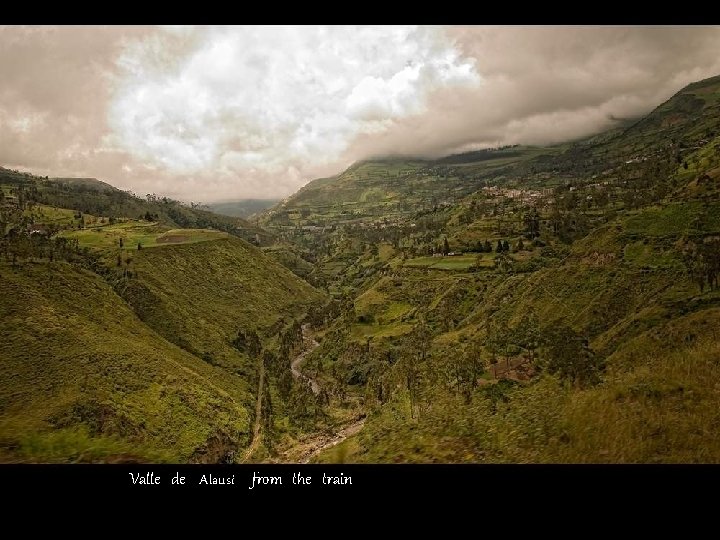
200,295
121,336
83,379
105,202
553,305
392,188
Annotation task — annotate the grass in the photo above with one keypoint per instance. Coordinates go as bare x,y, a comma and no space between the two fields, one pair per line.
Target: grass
148,235
78,445
644,254
362,331
394,311
87,375
460,263
48,215
77,360
675,219
385,252
242,288
366,301
660,412
340,452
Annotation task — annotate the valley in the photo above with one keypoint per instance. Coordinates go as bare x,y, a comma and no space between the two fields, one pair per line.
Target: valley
521,304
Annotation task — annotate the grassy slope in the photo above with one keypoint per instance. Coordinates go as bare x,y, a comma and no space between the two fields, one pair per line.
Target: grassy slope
199,295
113,388
625,286
657,403
663,411
370,186
139,232
83,379
98,198
388,188
243,208
658,400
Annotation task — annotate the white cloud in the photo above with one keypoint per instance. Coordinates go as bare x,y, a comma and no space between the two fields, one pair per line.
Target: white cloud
269,98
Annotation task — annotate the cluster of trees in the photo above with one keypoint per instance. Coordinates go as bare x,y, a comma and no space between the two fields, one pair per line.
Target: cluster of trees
443,248
248,342
418,371
291,397
503,262
483,247
20,245
405,369
21,239
568,354
502,246
702,261
324,314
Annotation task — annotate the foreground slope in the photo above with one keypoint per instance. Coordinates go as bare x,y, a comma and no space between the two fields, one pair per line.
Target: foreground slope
120,335
83,379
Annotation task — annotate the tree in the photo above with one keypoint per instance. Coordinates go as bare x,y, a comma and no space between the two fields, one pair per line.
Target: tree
254,347
488,246
712,256
526,334
695,263
532,224
503,262
445,247
506,246
240,341
421,338
520,245
569,355
477,264
498,342
121,242
408,371
474,365
499,247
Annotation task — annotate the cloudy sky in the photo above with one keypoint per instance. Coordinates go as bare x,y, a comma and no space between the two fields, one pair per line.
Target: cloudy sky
221,113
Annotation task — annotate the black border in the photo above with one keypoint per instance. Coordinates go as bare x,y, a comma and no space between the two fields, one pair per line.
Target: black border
366,13
517,484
